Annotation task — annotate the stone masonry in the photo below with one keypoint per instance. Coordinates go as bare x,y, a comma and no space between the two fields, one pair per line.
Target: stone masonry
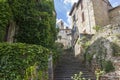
86,14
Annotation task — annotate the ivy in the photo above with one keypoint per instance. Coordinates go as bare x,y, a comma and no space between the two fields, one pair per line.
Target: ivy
19,61
34,21
108,66
116,49
5,15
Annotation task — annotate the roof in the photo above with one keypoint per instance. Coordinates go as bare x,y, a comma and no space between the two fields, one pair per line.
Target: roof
78,3
115,8
74,5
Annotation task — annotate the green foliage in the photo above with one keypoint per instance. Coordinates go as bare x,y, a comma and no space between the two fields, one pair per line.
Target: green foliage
85,45
57,50
78,77
116,49
89,57
98,73
34,19
118,36
22,61
97,28
5,15
36,22
108,66
85,41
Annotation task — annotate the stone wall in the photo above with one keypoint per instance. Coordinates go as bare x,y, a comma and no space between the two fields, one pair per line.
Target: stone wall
105,45
114,15
113,75
85,9
64,37
77,48
101,8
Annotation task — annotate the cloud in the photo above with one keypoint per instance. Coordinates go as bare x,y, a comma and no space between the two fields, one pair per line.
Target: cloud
68,19
67,23
115,4
70,1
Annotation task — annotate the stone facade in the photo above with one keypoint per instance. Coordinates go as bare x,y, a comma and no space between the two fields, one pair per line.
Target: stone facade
105,44
101,14
64,35
114,15
86,14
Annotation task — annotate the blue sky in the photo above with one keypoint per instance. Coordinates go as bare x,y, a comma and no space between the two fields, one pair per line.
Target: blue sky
63,8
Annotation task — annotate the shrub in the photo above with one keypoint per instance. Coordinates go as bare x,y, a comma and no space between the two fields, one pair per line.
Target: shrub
56,51
5,15
89,57
116,49
79,77
98,73
97,28
20,61
108,66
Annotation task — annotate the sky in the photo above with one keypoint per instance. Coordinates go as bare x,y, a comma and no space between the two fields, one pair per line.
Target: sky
63,8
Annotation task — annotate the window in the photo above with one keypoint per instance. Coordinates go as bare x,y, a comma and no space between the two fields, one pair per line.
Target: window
62,23
83,17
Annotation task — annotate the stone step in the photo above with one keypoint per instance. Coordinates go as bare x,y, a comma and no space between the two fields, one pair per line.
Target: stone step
69,78
72,74
62,78
68,66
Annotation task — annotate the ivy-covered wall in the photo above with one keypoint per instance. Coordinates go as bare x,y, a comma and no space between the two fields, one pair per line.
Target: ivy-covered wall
23,62
34,21
5,16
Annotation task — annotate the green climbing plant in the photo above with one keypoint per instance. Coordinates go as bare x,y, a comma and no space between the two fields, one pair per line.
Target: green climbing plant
97,28
98,73
5,16
79,77
108,66
34,21
20,61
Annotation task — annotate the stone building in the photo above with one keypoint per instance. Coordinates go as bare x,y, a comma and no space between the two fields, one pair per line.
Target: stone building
87,14
64,35
114,15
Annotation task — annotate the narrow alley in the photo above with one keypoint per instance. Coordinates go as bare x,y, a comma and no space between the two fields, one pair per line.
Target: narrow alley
68,66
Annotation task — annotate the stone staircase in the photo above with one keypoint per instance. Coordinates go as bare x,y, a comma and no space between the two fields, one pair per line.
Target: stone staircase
68,66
